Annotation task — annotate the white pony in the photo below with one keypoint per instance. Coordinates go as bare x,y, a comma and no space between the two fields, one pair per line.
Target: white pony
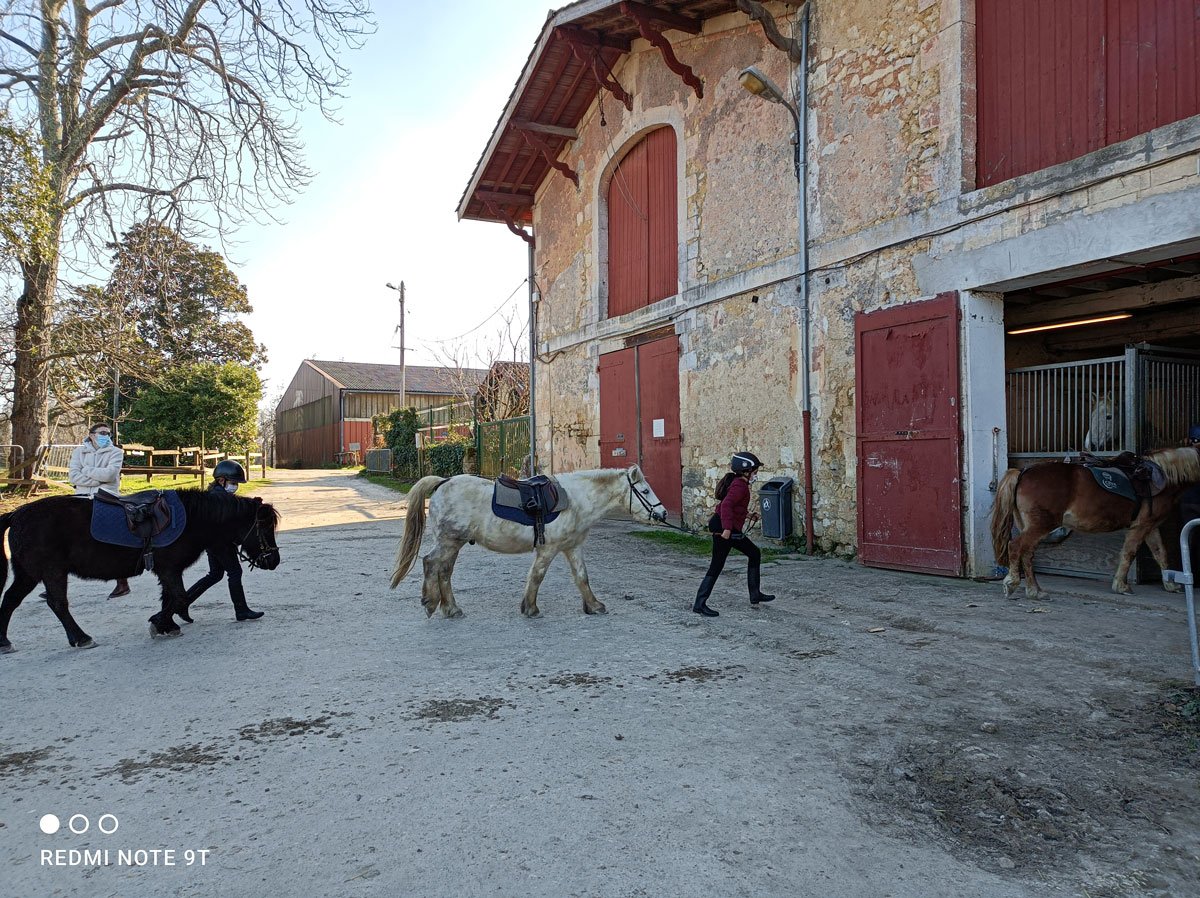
460,512
1102,425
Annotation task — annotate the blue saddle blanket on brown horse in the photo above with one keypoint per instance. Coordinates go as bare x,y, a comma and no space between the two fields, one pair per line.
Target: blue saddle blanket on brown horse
111,523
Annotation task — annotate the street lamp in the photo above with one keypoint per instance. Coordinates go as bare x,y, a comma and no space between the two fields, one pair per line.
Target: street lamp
757,83
403,392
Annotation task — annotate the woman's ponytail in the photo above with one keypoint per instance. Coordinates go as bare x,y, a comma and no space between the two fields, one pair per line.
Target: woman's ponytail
723,486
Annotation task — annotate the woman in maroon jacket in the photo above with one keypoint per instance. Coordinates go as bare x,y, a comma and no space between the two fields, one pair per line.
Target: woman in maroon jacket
726,525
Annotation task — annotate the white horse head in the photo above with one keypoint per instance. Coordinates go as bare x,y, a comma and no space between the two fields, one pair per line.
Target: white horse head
639,488
1102,423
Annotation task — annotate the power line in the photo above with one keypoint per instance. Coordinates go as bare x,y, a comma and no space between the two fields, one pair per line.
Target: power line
495,312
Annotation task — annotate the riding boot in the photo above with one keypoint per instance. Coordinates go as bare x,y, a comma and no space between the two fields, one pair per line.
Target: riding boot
241,609
757,596
700,606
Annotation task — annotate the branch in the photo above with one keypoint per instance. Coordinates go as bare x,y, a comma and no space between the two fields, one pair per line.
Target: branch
20,43
95,189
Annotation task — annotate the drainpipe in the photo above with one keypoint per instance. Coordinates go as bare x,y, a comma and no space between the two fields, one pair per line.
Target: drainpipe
532,379
802,179
341,423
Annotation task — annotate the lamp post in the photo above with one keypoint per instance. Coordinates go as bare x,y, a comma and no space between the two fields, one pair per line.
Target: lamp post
400,327
753,80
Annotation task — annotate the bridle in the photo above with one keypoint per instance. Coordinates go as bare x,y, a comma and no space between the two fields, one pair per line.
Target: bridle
633,491
264,549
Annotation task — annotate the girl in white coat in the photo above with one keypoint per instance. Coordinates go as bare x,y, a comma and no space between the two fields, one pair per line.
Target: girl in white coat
95,464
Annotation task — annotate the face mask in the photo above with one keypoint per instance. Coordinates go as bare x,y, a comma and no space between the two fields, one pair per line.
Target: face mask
753,478
104,441
231,487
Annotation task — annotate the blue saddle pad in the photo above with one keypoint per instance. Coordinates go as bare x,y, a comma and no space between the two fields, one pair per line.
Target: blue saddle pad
108,524
1115,481
519,516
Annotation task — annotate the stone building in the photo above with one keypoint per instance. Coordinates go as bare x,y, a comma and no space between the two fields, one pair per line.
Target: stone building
970,168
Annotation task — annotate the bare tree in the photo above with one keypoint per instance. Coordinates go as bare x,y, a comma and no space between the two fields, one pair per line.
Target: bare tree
176,110
504,391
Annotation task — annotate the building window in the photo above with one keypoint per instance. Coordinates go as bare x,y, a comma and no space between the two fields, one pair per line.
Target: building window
1058,80
643,241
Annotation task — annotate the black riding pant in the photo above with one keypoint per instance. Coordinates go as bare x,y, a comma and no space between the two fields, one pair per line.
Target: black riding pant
222,561
720,552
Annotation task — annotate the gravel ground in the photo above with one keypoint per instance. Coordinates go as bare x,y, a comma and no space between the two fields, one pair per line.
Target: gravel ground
868,734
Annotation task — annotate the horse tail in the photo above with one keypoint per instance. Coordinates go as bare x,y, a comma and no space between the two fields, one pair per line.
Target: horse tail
1002,514
5,523
414,526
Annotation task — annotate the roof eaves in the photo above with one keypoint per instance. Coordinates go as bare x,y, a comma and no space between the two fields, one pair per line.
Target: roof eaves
562,16
324,374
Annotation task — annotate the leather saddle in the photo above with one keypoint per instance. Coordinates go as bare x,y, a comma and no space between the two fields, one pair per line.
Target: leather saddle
147,514
534,502
1127,475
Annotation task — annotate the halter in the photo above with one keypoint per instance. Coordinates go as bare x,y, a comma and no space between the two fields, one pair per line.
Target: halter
650,508
264,550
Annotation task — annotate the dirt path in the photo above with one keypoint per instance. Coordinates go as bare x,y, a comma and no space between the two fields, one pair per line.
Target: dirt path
869,734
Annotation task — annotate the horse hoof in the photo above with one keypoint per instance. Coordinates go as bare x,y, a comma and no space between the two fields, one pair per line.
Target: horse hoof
7,648
88,643
165,634
1169,587
1123,589
536,612
454,612
598,609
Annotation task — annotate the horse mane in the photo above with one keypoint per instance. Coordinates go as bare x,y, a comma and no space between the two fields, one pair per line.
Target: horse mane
1181,466
225,509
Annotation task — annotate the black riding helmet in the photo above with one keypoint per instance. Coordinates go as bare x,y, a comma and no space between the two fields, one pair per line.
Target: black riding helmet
230,470
744,462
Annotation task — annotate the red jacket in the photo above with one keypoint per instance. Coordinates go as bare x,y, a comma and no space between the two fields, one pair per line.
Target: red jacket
734,506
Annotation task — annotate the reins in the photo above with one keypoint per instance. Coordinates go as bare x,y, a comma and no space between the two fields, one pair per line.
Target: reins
264,550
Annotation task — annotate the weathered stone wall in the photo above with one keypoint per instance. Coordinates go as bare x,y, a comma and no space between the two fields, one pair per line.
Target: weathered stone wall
894,218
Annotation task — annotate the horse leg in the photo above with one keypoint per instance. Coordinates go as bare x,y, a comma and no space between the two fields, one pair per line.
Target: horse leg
431,588
591,604
1159,550
56,597
1020,560
22,586
445,572
537,573
162,624
1120,582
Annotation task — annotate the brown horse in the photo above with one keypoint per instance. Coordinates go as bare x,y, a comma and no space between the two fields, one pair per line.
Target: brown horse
1056,494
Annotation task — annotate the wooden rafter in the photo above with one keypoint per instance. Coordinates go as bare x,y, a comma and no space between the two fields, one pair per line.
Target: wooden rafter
506,216
542,128
586,48
537,144
755,10
652,23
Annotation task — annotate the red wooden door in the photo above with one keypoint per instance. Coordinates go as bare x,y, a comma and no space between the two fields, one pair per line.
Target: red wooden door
618,410
658,406
643,243
909,439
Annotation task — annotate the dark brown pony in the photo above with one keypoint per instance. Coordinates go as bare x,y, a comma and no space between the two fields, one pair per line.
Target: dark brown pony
1056,494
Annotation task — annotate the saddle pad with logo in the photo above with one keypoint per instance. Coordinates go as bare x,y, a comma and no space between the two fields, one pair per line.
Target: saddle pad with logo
109,524
1115,481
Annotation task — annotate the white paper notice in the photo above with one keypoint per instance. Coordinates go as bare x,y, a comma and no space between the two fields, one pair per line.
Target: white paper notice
660,427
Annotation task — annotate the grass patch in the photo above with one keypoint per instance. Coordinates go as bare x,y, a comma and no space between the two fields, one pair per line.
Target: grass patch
137,484
698,545
400,486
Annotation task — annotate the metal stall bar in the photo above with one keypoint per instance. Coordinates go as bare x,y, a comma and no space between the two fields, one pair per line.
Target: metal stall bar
1186,579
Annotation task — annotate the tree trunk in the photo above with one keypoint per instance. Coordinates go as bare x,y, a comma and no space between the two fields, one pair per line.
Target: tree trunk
31,381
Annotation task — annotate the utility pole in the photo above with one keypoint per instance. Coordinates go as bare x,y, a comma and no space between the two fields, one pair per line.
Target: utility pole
403,391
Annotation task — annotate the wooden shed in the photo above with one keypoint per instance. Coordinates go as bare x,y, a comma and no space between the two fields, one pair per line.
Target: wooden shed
326,410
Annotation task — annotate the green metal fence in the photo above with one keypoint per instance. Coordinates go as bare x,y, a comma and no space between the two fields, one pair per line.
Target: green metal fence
501,447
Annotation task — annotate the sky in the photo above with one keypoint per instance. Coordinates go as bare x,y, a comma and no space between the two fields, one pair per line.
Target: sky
424,95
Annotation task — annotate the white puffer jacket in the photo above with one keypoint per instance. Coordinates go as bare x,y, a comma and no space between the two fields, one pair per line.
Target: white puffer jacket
93,468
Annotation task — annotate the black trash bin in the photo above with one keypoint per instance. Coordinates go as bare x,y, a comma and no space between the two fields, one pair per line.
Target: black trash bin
775,507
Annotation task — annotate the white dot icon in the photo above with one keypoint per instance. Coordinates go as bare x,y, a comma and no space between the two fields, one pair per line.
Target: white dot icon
49,824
